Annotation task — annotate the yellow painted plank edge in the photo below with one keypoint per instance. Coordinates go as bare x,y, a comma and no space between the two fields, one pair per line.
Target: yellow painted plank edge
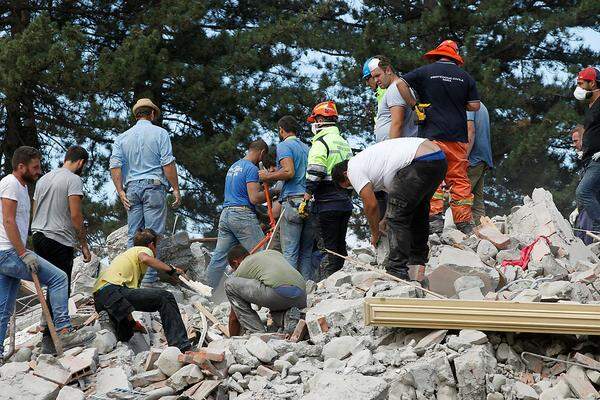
503,316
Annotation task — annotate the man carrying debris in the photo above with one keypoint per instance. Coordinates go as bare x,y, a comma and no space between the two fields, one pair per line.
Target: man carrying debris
238,222
142,167
296,231
16,262
265,279
409,170
117,292
445,91
394,119
332,204
58,226
480,156
588,190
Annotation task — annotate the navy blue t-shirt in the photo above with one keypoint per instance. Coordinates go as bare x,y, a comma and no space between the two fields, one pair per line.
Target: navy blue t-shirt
239,175
448,88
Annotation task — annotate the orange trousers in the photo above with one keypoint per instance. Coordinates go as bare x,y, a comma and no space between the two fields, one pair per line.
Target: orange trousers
461,198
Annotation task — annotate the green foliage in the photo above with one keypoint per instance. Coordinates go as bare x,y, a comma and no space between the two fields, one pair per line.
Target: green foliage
224,71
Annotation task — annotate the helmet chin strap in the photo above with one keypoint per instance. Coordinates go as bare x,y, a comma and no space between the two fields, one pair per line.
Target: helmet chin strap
316,127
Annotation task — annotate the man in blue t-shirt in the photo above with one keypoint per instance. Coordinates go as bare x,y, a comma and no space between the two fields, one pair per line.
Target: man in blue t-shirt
297,233
480,156
238,223
450,91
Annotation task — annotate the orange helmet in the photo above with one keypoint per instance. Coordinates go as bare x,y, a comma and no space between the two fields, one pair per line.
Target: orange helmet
448,48
324,109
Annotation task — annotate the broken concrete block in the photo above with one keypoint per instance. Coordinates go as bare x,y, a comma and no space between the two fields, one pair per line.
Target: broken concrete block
473,293
260,349
471,369
486,250
472,336
111,378
265,372
580,384
343,314
452,236
467,282
433,338
329,385
554,291
151,359
360,359
147,378
70,393
105,341
28,386
489,232
590,362
427,374
524,392
51,370
527,295
401,391
10,370
339,347
168,361
186,376
593,376
337,279
116,242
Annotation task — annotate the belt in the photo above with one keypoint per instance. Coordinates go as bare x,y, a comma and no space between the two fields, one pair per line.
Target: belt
240,208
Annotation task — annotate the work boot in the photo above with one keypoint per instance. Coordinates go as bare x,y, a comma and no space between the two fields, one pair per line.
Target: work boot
70,338
465,227
399,273
436,224
47,345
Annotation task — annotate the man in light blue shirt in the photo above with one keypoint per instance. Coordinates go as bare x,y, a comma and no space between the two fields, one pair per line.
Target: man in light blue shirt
297,233
480,157
142,168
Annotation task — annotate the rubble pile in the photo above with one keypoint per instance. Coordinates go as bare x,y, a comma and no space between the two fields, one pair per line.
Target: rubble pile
336,356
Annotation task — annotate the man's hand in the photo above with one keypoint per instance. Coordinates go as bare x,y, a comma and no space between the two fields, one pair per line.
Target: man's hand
85,251
31,261
375,238
307,197
124,200
177,202
263,175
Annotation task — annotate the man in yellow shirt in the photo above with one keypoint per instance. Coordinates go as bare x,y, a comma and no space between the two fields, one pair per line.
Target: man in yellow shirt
117,292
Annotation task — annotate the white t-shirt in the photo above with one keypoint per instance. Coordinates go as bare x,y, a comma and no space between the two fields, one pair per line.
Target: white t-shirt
383,121
379,163
11,188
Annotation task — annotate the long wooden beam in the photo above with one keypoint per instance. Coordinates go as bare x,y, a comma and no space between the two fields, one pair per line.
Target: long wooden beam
559,318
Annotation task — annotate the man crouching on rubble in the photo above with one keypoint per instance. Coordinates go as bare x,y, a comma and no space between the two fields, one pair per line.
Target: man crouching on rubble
265,279
409,170
117,292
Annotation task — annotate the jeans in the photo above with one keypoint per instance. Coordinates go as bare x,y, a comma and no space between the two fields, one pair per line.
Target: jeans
56,254
408,214
297,237
333,226
148,198
242,293
476,175
588,192
12,270
120,301
237,225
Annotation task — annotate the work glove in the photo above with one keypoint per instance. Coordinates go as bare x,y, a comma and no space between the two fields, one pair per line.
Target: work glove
573,216
31,260
596,156
419,110
303,210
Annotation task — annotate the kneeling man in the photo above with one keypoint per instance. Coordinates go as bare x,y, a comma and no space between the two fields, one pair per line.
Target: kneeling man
265,279
409,170
117,292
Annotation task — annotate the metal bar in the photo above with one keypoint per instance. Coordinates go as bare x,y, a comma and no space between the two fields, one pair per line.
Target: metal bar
361,264
275,228
46,313
504,316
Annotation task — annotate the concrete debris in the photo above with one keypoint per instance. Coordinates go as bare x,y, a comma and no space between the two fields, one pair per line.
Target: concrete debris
340,357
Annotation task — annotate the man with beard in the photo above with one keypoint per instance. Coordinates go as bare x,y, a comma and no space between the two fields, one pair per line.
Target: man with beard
58,226
16,262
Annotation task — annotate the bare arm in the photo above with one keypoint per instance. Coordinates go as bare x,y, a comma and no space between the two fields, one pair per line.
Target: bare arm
473,106
371,209
170,171
471,136
256,195
285,173
156,263
406,93
79,225
397,122
117,177
9,220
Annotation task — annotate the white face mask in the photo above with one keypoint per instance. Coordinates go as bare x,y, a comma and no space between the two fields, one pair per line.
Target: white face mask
315,127
581,94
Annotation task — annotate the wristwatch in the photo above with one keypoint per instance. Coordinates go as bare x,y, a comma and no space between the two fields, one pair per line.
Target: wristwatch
172,271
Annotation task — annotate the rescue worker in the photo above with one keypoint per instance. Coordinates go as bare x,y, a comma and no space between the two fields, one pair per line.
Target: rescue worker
117,291
238,222
409,170
448,90
265,279
296,231
588,190
331,203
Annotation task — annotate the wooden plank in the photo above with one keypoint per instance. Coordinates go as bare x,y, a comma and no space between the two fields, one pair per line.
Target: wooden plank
205,389
503,316
212,318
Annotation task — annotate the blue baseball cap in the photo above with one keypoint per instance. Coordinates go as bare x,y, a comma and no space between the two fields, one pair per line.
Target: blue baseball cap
369,66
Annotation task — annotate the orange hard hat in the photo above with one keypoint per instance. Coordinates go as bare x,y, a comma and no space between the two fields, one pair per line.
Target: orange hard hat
449,49
324,109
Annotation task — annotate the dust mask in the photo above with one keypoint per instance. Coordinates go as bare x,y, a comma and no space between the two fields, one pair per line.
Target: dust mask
581,94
